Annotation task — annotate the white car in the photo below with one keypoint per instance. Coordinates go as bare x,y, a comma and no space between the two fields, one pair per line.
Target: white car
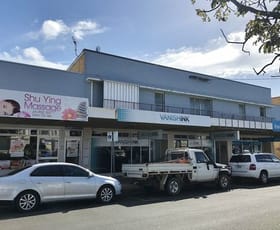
262,166
45,182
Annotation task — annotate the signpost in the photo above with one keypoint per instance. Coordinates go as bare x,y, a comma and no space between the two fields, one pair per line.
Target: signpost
112,137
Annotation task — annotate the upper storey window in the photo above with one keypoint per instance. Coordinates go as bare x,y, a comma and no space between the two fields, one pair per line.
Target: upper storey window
159,101
242,110
262,112
200,106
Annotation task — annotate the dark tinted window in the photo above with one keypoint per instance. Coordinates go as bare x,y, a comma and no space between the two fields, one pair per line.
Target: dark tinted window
200,157
177,155
240,158
73,171
263,158
48,171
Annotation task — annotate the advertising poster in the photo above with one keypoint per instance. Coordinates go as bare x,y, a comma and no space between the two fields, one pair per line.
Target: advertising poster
17,145
42,106
72,148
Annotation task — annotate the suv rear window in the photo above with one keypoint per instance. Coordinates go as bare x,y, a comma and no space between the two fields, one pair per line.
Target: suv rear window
240,158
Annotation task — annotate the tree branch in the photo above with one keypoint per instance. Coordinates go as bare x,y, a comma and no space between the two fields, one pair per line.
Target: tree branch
240,6
264,67
235,42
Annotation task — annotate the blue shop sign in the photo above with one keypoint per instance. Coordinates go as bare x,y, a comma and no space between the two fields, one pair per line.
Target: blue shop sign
276,126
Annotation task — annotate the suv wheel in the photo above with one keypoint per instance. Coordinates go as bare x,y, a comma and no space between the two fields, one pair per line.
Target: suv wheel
263,177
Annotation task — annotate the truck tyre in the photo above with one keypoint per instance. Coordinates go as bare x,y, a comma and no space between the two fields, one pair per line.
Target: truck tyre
173,186
224,181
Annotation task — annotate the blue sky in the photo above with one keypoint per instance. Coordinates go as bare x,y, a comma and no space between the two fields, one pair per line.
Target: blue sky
165,32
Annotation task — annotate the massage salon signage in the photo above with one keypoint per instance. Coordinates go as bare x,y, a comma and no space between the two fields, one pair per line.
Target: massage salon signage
128,115
42,106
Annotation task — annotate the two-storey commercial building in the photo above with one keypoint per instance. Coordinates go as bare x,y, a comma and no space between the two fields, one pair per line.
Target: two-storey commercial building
106,110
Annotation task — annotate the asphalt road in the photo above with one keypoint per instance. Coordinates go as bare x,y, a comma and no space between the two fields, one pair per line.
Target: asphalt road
202,207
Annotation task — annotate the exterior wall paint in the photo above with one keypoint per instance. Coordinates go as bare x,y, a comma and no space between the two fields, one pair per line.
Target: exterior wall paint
123,69
227,107
121,91
20,77
146,96
177,100
252,110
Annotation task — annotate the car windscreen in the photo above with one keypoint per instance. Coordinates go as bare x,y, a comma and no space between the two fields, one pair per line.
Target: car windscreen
240,158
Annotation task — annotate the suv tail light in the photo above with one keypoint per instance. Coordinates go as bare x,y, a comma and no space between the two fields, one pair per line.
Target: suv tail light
252,167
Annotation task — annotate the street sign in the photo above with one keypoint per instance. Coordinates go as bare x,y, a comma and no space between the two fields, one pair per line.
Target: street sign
112,136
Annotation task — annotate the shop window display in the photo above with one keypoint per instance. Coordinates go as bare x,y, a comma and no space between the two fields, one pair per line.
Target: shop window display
48,148
19,148
129,148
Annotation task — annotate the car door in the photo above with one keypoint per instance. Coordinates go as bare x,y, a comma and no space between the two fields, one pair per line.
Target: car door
276,166
78,182
265,163
48,180
203,171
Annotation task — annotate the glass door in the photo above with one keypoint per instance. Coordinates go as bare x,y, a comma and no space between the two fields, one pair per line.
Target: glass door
72,150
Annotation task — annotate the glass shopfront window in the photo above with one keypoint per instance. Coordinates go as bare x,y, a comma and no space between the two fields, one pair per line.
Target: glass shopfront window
48,148
203,142
246,146
131,147
21,147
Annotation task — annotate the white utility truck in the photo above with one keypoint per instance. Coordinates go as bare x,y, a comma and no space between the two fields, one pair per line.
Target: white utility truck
180,166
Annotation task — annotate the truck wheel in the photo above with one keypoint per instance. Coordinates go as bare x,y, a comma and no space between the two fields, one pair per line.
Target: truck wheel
173,186
224,181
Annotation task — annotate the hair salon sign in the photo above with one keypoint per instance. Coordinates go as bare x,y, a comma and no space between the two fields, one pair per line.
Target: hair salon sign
42,106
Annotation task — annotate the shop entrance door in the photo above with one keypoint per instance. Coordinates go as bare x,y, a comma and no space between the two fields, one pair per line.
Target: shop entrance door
72,150
221,152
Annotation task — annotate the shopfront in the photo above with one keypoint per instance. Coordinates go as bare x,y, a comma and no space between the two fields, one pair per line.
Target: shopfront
131,146
142,146
26,143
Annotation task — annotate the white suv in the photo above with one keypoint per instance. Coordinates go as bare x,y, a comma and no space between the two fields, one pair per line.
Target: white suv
262,166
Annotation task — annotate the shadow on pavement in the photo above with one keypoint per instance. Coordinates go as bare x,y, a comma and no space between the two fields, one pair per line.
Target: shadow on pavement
133,195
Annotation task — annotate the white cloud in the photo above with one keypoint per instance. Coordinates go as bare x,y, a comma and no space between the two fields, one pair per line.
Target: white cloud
83,28
33,53
52,29
31,56
217,58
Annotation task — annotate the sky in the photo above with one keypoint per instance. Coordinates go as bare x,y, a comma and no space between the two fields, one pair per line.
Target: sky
165,32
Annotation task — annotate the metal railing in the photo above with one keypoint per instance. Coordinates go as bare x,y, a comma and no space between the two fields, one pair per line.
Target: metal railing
115,104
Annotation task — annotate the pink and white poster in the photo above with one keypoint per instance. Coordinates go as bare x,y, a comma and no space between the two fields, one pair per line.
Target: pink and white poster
42,106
